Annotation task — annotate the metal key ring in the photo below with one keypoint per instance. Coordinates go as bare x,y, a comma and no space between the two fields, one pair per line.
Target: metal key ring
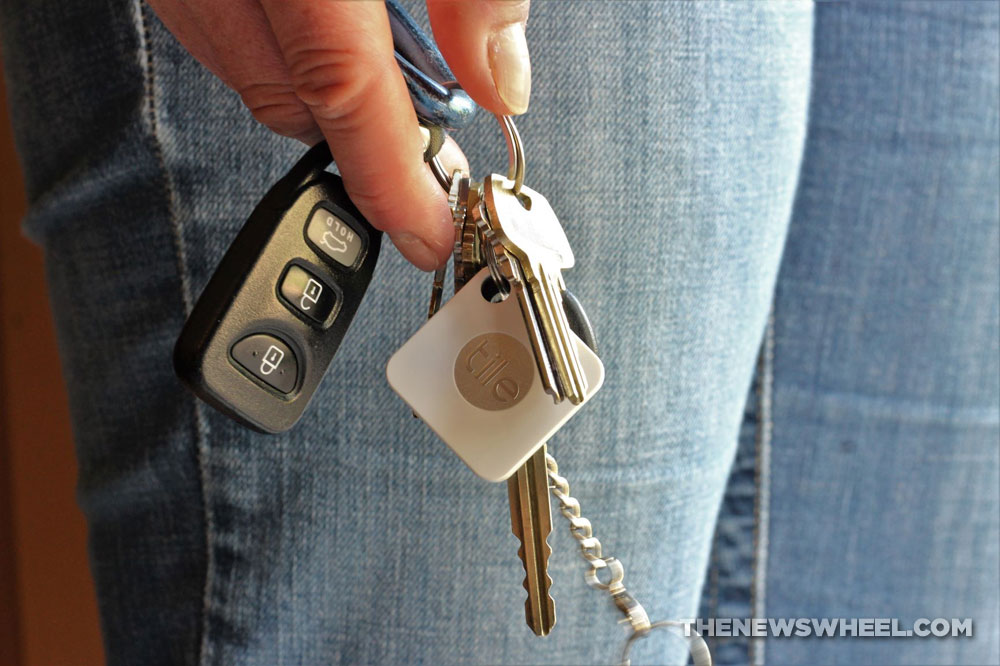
697,647
515,152
492,261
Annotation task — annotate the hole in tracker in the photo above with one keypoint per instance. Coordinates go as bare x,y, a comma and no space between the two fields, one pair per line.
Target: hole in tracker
492,292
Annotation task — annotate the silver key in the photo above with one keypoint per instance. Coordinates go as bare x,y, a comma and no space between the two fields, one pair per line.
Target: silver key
531,522
464,200
523,228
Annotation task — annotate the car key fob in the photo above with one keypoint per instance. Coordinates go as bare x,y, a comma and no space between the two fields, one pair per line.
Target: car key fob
267,325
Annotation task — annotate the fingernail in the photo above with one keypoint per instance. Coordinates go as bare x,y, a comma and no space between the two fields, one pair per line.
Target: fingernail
416,251
507,52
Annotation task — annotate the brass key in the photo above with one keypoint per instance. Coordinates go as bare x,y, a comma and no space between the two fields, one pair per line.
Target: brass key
531,522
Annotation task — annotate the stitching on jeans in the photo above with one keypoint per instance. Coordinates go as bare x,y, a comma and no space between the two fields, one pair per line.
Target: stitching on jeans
146,35
762,499
713,582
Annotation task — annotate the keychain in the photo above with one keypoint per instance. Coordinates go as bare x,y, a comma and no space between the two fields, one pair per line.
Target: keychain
503,327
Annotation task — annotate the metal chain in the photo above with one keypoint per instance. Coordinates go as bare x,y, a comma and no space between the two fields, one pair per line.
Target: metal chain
590,549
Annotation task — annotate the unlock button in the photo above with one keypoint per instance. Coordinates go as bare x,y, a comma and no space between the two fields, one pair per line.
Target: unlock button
308,295
268,359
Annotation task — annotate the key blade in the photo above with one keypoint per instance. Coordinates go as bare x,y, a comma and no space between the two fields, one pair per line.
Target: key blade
531,522
536,334
464,200
511,269
539,346
560,349
557,331
437,290
528,231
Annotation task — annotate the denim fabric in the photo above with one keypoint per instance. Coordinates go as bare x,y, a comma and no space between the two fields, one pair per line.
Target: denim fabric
866,482
885,460
739,550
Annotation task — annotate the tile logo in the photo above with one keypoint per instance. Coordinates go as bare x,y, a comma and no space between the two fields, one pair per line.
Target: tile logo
494,371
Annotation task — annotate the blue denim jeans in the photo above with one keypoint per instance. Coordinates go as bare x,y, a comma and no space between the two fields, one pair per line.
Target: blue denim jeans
681,147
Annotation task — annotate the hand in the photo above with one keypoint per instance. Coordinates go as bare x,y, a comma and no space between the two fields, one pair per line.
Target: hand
314,69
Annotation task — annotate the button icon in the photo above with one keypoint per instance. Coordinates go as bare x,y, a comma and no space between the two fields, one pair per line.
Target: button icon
335,244
311,293
269,359
307,294
334,238
272,359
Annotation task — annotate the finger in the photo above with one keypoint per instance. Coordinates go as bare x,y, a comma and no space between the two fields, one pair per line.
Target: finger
245,55
449,154
452,157
340,58
483,42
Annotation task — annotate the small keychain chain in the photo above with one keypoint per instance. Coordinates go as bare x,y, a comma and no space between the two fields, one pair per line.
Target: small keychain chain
590,549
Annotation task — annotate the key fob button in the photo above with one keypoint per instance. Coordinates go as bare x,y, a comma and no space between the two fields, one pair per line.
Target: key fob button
334,238
268,359
308,295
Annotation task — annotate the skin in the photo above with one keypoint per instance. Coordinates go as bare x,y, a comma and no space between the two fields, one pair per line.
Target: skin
314,69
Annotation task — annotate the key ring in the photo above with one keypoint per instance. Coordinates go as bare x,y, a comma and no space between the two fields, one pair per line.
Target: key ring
697,647
515,152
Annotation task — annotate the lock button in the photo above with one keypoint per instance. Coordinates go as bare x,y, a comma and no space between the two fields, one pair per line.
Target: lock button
268,359
307,295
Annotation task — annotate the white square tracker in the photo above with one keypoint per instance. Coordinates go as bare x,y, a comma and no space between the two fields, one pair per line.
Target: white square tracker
470,375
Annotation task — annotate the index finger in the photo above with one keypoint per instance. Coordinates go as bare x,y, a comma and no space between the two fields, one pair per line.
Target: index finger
340,57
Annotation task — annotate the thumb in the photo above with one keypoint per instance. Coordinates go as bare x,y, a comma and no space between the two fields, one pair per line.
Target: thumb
483,42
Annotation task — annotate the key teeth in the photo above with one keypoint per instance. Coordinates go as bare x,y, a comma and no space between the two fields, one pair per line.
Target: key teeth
496,245
457,198
541,626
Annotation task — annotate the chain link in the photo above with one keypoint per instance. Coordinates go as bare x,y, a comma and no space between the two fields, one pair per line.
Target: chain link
590,549
613,573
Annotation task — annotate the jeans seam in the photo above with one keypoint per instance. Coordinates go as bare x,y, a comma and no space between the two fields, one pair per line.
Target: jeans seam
762,499
713,585
186,298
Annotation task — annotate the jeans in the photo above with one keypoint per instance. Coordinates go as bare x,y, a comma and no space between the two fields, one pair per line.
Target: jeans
680,147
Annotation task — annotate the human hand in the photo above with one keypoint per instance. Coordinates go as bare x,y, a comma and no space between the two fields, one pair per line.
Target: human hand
315,69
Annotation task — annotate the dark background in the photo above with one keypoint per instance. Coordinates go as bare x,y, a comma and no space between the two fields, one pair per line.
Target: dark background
48,612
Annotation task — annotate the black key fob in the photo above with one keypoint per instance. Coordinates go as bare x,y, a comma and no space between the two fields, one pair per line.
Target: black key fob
267,325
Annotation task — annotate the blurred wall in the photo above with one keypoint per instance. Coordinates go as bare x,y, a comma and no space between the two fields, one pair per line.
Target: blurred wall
48,613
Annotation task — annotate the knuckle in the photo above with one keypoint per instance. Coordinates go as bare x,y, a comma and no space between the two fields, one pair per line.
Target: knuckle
380,202
276,106
375,201
331,80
